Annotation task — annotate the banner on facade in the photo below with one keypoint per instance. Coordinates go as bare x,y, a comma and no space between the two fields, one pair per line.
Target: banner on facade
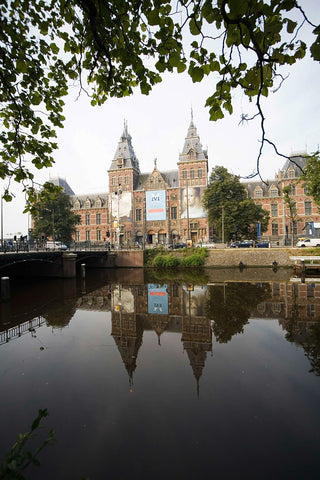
122,203
156,205
191,202
157,299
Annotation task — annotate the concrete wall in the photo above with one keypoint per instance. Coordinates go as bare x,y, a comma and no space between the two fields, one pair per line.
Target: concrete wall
129,258
251,257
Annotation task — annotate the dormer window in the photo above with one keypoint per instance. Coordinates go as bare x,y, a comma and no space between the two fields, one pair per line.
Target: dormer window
273,191
87,204
98,203
291,173
192,154
258,192
77,205
120,162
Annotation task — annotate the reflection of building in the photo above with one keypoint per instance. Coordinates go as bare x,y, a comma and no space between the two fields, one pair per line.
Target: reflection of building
156,207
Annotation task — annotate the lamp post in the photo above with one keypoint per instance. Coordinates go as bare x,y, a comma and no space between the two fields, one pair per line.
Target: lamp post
118,192
1,222
222,226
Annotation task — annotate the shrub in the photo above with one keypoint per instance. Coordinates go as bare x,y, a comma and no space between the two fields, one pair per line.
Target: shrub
159,261
194,260
172,261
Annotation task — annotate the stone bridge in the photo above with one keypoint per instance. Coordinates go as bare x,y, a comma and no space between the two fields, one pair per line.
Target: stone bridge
65,264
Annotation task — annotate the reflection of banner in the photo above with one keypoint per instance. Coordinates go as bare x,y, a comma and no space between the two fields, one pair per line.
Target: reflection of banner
194,301
124,202
123,300
191,202
157,299
156,205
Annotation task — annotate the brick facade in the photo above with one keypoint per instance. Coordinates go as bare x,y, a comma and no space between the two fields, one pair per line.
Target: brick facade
123,216
126,214
269,195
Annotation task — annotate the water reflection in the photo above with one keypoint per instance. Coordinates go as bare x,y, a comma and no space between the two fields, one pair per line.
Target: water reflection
199,313
215,380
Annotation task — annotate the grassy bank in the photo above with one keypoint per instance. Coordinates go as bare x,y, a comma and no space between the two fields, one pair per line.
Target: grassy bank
187,257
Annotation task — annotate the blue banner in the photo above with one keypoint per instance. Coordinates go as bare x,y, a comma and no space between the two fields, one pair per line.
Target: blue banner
156,205
258,230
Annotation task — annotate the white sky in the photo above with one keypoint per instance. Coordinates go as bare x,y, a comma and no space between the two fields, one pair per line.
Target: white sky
158,125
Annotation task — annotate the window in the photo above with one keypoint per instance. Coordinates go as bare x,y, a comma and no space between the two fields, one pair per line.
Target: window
276,289
291,173
274,192
77,236
310,290
88,219
184,174
87,204
191,173
120,180
98,219
138,215
191,153
307,208
77,205
174,213
127,179
98,235
274,210
293,189
275,229
113,181
200,172
87,235
258,193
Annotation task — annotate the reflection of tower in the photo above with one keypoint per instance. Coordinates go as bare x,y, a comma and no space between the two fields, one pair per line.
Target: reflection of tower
159,324
127,332
196,334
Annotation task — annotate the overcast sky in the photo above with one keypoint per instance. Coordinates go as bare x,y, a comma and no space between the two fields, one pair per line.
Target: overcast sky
158,124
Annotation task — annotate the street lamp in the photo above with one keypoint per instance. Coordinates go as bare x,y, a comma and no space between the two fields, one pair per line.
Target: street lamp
118,192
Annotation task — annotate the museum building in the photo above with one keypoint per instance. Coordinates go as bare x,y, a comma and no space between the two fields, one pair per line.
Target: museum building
165,207
161,207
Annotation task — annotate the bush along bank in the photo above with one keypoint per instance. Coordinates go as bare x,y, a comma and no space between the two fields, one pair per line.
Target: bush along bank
188,257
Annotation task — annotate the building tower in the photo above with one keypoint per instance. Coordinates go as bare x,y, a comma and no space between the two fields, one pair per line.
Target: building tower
193,179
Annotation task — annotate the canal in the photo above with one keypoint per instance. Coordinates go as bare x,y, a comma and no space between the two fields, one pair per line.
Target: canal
148,376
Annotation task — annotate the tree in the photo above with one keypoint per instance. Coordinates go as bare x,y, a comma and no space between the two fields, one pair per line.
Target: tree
228,207
109,47
311,178
55,219
292,208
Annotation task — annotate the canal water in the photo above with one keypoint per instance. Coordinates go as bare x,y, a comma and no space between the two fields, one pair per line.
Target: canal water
206,375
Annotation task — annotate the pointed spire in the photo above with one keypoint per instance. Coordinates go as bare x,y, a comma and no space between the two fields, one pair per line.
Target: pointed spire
192,142
125,151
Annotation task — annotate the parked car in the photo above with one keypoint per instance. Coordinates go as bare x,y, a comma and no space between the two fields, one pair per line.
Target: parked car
262,244
56,246
178,245
309,242
206,245
242,244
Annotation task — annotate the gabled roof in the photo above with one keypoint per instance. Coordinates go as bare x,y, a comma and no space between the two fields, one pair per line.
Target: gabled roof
61,182
170,177
296,162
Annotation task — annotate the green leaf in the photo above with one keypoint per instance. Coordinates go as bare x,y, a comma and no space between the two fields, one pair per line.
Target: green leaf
195,26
